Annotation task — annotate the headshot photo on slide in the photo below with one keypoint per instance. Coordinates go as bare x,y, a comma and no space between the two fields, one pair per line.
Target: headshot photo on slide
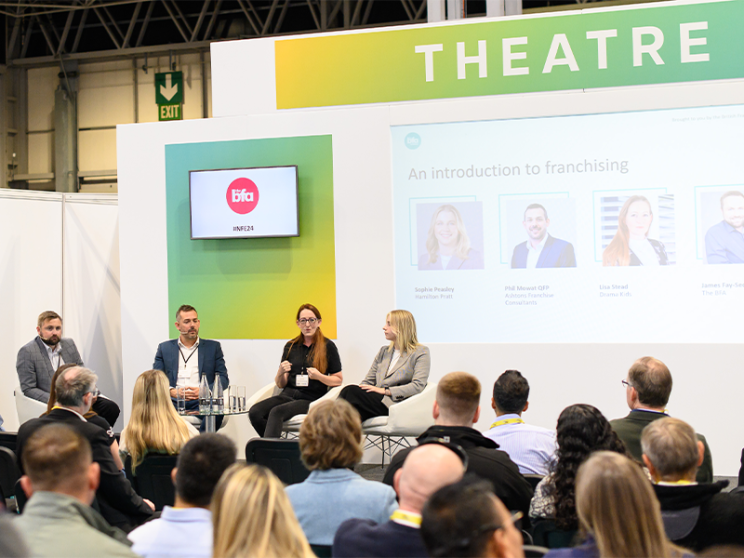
531,219
450,236
721,222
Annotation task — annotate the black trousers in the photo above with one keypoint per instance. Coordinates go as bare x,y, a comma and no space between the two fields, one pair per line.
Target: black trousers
107,409
267,416
368,404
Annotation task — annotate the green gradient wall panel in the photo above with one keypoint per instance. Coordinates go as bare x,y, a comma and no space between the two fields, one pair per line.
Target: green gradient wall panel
251,288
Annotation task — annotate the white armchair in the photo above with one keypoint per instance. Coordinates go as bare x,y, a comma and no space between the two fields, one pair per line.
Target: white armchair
26,407
409,418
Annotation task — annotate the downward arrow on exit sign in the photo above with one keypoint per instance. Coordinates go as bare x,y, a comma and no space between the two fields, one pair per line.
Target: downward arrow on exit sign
169,88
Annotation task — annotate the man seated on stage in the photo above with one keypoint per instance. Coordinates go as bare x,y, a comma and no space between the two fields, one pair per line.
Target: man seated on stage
427,469
61,481
696,516
186,359
455,411
39,359
531,447
647,390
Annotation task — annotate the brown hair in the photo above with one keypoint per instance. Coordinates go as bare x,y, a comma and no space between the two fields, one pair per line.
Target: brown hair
331,436
618,251
53,392
56,456
652,380
184,308
731,194
458,396
672,447
318,352
46,316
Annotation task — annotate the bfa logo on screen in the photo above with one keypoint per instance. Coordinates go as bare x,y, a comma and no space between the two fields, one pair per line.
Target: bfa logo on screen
413,140
242,195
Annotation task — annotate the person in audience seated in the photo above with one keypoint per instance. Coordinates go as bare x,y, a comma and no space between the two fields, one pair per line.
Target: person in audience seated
186,528
331,444
455,412
60,481
466,520
186,359
427,469
400,369
252,516
12,543
581,430
310,365
154,425
647,390
39,358
76,388
531,447
618,512
91,416
696,516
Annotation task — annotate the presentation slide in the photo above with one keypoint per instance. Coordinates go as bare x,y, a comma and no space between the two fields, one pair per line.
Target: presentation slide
244,203
625,228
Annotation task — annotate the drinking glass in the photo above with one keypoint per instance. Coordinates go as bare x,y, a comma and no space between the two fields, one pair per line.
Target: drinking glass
241,398
181,400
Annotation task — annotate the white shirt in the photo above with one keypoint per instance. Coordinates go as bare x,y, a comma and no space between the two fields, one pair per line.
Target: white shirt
178,533
394,359
533,253
644,251
445,260
188,364
531,447
55,355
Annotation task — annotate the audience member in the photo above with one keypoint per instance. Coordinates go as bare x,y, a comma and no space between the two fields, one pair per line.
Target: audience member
696,516
532,448
331,444
252,516
647,390
12,543
119,504
466,520
40,357
617,511
428,468
455,411
186,528
154,425
61,481
581,430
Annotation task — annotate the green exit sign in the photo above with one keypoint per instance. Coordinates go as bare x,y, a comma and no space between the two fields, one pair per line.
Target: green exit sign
170,112
169,88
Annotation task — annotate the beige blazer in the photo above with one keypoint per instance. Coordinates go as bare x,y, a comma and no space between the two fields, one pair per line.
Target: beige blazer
408,377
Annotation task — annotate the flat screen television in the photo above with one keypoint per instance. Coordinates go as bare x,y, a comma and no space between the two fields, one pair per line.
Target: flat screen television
256,202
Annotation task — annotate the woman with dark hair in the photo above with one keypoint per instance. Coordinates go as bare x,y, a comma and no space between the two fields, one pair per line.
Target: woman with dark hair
310,365
581,430
631,245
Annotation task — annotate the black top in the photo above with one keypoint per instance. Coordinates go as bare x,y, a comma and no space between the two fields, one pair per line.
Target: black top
364,537
301,359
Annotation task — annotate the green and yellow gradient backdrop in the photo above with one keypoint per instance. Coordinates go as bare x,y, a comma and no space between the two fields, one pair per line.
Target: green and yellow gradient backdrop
251,288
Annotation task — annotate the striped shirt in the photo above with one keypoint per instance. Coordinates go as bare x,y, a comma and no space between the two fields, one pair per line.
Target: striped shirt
530,447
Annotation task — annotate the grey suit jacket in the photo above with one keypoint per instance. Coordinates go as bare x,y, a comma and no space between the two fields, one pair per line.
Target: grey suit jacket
35,369
408,377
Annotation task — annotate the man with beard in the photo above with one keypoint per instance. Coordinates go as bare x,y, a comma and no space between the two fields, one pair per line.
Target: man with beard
541,250
40,358
724,242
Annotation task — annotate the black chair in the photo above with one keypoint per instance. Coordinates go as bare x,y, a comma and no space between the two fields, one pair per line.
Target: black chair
152,479
282,457
321,550
534,480
546,533
20,496
531,551
9,472
9,440
741,470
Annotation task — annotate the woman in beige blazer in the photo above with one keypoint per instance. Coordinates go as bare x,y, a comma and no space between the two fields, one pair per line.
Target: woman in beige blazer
400,369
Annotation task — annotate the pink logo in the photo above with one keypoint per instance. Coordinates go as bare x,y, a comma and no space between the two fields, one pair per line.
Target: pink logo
242,195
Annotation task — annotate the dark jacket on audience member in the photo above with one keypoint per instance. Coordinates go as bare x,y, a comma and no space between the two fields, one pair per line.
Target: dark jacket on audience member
697,516
629,431
364,537
119,503
484,459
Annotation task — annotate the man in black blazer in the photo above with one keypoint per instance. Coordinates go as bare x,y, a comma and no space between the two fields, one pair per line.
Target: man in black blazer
118,503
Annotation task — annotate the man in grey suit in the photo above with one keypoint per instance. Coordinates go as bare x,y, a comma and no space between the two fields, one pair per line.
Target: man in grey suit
39,359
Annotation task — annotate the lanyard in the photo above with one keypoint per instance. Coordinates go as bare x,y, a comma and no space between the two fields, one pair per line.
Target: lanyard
406,518
186,360
507,421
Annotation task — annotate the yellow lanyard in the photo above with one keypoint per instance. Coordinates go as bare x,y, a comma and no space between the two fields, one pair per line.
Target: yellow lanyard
677,482
507,421
412,519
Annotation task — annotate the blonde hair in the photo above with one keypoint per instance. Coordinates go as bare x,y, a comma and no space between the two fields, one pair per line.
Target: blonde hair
404,327
618,250
154,424
331,436
463,241
252,516
617,505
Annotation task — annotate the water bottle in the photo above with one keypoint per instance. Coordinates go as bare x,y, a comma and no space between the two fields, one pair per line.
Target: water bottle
218,396
205,396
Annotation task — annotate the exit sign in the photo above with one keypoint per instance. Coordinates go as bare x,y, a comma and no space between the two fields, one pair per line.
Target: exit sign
170,112
169,88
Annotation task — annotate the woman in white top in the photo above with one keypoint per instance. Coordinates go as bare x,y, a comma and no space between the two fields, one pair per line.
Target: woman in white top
631,245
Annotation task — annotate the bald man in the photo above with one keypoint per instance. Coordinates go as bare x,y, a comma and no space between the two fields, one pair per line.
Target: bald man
428,468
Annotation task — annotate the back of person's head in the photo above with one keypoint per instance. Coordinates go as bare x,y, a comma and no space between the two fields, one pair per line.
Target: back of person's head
617,505
153,424
510,392
200,465
465,519
331,436
53,388
458,398
426,469
252,516
73,384
581,430
672,447
56,458
652,380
